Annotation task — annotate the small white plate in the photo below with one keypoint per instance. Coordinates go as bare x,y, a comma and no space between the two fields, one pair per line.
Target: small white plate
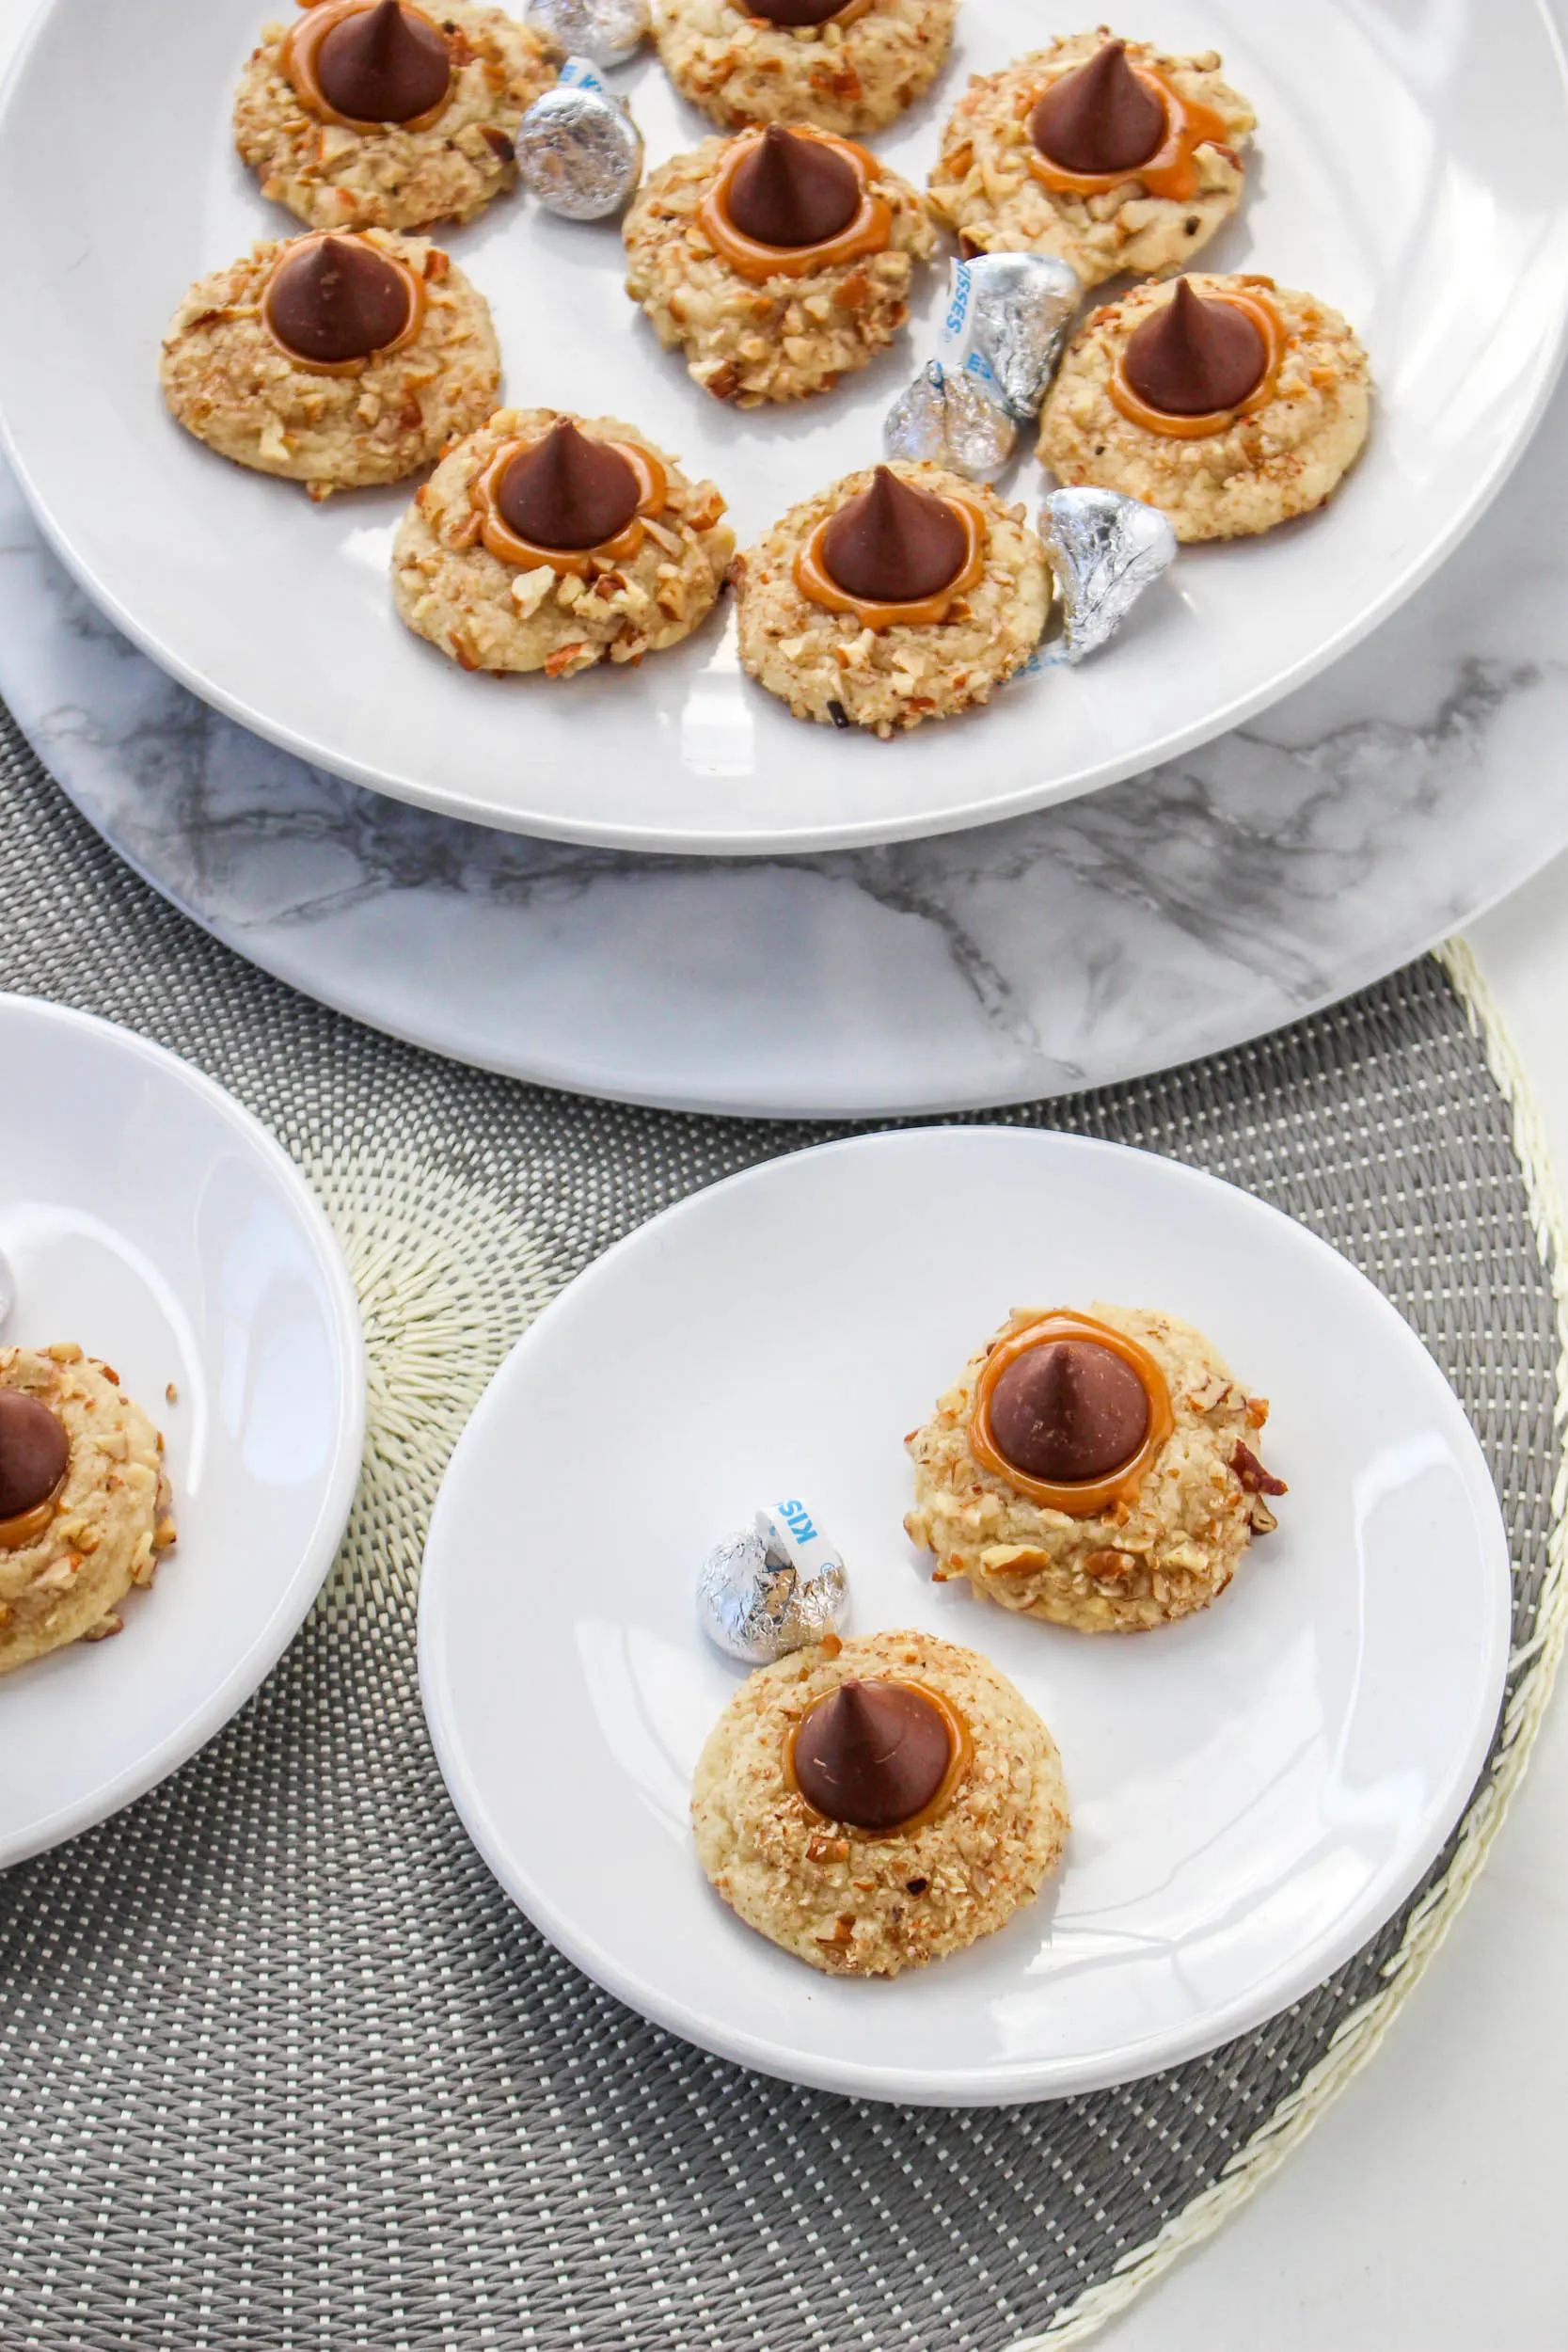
1408,168
148,1216
1254,1792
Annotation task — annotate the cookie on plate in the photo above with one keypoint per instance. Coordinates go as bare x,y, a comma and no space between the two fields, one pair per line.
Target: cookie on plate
338,361
872,1806
1096,1470
778,261
1107,152
373,114
899,595
84,1501
1232,403
845,65
550,542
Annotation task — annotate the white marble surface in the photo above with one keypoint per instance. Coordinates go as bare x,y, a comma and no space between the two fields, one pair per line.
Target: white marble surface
1257,878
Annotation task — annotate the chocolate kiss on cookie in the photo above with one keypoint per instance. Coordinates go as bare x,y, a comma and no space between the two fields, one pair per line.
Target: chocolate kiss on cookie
383,65
1068,1410
567,491
893,544
872,1754
793,13
1099,118
790,191
1194,356
34,1453
336,299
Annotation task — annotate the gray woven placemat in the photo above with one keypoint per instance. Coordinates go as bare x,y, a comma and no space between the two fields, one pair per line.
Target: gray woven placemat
281,2067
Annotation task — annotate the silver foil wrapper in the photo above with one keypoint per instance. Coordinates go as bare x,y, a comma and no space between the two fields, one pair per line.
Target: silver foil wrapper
578,150
1105,549
774,1587
950,420
606,32
1006,323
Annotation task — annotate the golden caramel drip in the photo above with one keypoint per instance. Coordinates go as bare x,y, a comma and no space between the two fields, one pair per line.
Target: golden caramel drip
813,581
1170,171
303,39
27,1526
961,1756
870,231
1081,1498
346,367
502,541
1275,337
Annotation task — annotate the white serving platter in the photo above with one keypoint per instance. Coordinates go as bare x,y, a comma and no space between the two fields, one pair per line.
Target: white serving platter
1408,168
149,1217
1254,1790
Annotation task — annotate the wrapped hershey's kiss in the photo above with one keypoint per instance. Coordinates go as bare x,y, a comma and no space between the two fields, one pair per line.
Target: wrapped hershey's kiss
606,32
1006,323
772,1588
578,150
1105,549
948,419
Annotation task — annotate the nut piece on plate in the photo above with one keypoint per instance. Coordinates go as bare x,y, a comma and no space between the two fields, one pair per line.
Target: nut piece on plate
375,114
897,596
84,1501
1104,151
1232,403
1097,1470
551,542
337,361
778,261
845,65
872,1804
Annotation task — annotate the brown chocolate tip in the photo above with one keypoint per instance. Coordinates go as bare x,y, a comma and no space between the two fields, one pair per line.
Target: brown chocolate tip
35,1453
791,191
336,299
793,13
1194,355
893,544
1069,1410
872,1754
1101,117
383,65
567,491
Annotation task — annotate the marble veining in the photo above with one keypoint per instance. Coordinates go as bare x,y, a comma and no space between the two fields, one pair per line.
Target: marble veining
1247,882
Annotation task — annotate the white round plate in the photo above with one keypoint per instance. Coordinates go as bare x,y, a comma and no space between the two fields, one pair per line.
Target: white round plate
1254,1792
1409,169
154,1221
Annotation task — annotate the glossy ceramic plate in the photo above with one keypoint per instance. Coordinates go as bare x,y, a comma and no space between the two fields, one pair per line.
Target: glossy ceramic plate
155,1222
1408,170
1254,1790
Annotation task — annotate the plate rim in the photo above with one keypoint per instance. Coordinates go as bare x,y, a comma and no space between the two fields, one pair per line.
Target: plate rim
1500,462
1036,2080
298,1591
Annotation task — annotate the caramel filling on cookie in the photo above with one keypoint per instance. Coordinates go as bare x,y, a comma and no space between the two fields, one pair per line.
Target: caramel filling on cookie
333,308
1178,427
816,582
868,229
1080,1498
16,1535
35,1463
1170,171
653,491
301,53
874,1783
